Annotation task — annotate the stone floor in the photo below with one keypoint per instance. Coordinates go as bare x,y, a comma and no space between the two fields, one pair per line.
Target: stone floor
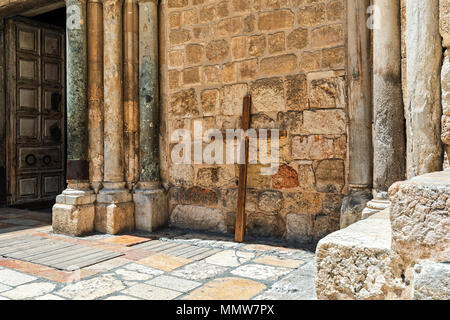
255,270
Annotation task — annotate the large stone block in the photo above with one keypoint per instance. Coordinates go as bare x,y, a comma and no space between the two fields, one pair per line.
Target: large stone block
114,212
420,217
150,211
198,218
357,263
431,281
73,220
74,212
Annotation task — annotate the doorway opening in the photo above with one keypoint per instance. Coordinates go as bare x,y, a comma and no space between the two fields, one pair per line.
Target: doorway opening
34,140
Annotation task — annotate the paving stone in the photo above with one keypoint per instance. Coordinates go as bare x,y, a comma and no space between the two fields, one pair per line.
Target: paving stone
108,264
229,288
164,261
92,288
229,258
4,298
13,278
277,262
260,272
298,285
173,283
49,297
30,290
4,287
199,271
121,297
142,269
125,240
149,292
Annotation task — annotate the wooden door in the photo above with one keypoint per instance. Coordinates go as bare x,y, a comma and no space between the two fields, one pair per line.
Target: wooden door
35,109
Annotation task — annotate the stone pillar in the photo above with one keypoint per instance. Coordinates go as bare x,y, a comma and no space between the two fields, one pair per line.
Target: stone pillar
360,113
115,209
74,211
95,91
389,127
131,92
149,197
444,13
423,101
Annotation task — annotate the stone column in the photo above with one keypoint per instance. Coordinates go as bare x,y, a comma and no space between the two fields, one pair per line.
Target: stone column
95,91
115,209
389,127
149,197
360,113
444,13
131,92
423,101
74,211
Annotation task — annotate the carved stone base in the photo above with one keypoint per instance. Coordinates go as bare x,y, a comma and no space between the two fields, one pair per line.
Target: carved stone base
150,209
114,211
74,212
373,207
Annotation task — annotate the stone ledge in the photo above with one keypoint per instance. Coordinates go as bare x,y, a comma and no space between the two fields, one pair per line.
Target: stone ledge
357,262
420,217
431,281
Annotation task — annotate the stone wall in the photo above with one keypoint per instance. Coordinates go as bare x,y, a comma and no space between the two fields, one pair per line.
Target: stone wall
290,56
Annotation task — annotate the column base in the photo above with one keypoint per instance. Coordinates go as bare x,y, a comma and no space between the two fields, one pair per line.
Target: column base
353,206
374,206
74,212
150,209
114,211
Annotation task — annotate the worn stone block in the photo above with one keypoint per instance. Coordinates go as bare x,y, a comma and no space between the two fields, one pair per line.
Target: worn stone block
302,202
276,42
231,99
179,36
72,219
150,211
198,218
335,10
259,224
324,122
327,36
114,212
296,93
207,14
420,217
319,147
285,178
267,95
357,263
247,69
230,26
257,45
278,19
310,61
299,227
431,281
327,93
279,65
330,176
194,53
217,50
239,47
184,103
312,15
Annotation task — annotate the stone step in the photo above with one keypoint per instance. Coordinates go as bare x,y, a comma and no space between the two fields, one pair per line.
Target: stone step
357,262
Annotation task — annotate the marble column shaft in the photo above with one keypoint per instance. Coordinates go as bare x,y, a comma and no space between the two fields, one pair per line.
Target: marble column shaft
131,92
149,198
77,107
389,127
360,113
95,91
423,101
115,208
74,211
113,94
148,91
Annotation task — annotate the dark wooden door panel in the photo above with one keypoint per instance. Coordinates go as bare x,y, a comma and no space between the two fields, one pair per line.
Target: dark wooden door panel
36,109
